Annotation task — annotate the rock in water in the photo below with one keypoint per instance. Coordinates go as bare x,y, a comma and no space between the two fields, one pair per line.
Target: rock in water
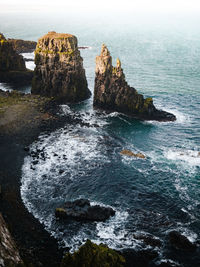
12,65
9,254
81,210
91,255
59,69
23,46
179,241
113,93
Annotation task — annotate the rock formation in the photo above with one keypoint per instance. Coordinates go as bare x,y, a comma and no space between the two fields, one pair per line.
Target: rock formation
113,93
9,254
90,255
22,46
12,65
59,69
81,210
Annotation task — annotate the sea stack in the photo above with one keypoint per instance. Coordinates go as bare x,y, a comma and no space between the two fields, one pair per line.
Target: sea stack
12,65
59,69
112,92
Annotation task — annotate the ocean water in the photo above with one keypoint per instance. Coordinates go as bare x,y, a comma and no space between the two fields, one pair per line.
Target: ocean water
152,196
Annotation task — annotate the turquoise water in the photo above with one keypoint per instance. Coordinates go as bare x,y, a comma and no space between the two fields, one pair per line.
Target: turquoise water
155,195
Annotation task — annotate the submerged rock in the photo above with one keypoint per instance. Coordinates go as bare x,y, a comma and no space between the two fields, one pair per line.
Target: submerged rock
90,255
59,69
81,210
12,65
131,154
113,93
9,254
179,241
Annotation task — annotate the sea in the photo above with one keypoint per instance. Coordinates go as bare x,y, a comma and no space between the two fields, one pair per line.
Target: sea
161,58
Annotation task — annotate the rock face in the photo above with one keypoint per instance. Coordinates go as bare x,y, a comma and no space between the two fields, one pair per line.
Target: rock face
180,241
113,93
81,210
22,46
9,255
12,65
90,255
59,69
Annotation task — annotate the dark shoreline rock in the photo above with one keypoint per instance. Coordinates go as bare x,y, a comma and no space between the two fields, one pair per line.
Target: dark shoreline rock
81,210
112,92
179,241
59,69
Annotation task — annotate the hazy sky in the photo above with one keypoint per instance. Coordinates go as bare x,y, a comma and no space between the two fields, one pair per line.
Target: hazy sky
131,6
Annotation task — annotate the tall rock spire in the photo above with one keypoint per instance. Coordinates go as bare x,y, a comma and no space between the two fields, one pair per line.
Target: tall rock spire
112,92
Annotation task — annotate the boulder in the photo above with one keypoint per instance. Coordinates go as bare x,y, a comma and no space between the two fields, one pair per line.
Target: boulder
112,92
59,71
179,241
9,254
12,65
90,255
81,210
148,239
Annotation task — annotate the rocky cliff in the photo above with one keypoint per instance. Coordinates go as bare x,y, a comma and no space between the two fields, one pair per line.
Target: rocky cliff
9,254
59,68
23,46
113,93
12,65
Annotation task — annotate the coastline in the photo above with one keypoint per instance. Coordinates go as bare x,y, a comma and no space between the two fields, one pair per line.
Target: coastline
35,244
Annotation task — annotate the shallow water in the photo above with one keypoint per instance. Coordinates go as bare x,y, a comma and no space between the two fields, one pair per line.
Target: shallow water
153,195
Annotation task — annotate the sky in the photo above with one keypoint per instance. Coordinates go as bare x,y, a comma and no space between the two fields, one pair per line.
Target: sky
129,6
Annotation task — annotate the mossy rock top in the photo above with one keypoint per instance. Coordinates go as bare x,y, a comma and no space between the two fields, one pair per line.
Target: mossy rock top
90,255
55,35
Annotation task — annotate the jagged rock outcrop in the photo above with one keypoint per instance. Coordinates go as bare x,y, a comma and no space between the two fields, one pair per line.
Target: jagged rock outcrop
12,65
90,255
81,210
22,46
113,93
59,68
9,254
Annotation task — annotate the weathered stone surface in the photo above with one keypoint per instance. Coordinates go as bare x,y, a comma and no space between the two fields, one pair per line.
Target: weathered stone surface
59,68
129,153
179,241
113,93
12,65
90,255
82,210
22,46
9,255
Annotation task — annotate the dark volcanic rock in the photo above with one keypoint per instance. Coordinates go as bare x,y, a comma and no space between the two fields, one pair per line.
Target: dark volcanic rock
148,239
113,93
179,241
12,65
82,210
22,46
59,69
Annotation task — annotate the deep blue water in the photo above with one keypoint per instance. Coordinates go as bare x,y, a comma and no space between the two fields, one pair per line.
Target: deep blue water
154,195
